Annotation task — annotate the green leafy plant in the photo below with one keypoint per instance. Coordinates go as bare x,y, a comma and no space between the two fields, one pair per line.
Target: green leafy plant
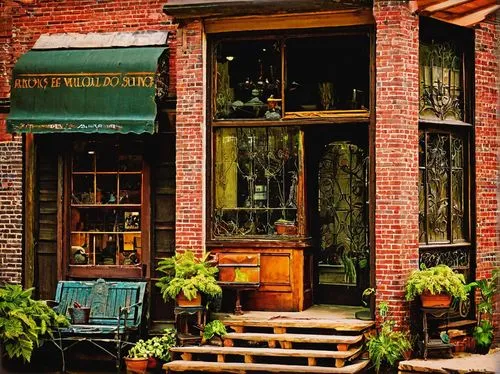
487,288
214,328
23,321
157,346
436,280
483,333
387,347
189,274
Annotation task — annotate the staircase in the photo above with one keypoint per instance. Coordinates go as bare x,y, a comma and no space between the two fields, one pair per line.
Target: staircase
279,345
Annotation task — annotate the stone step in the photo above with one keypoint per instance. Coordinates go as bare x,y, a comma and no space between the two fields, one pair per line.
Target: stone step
234,367
249,354
285,340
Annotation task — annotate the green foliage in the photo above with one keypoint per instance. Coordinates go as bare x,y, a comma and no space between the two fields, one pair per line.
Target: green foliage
24,320
488,288
388,346
186,273
214,328
483,333
157,346
436,280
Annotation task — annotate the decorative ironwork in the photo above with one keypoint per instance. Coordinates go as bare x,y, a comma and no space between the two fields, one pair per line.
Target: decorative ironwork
441,188
342,208
162,77
440,81
256,176
454,257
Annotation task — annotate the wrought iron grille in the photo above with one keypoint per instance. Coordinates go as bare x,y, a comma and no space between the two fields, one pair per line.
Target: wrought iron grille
441,93
442,188
256,177
342,208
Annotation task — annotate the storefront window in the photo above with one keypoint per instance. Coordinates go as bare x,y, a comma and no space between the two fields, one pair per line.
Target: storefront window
290,76
256,179
106,201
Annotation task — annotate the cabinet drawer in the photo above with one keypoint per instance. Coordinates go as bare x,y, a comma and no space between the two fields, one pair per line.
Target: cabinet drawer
239,259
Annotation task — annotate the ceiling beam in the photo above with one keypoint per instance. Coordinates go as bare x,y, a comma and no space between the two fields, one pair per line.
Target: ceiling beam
443,5
475,17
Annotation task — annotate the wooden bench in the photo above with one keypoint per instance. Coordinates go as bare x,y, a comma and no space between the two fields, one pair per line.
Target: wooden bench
116,310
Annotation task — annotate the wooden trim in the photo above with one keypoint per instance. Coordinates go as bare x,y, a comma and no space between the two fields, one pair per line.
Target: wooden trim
348,114
62,212
257,243
350,17
443,5
30,208
290,122
104,271
146,226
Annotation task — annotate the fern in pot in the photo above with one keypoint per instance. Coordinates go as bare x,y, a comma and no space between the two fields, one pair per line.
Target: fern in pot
188,277
436,286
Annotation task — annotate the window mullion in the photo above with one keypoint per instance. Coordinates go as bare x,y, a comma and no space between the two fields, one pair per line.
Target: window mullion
426,191
450,189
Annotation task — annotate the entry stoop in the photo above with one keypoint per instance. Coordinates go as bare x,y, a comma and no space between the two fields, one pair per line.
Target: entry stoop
279,344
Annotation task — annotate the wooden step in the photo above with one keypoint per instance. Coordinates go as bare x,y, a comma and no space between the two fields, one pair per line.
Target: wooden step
340,357
233,367
457,324
341,325
343,342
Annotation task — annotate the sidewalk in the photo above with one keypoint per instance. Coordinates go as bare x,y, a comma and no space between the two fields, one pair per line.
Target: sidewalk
460,363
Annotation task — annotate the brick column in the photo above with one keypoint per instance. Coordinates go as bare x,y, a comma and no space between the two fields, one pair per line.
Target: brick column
396,153
487,153
11,210
190,143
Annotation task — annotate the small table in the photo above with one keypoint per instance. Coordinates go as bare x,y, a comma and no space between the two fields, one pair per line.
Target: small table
435,344
238,287
182,314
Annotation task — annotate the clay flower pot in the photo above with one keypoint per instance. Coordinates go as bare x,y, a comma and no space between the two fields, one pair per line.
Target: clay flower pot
182,300
442,300
136,365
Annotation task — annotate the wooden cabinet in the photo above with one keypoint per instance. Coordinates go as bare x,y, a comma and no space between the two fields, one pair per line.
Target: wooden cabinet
285,277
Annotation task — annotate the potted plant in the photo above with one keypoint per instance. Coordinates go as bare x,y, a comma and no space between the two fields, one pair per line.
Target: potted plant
23,321
153,350
388,346
436,286
483,332
187,277
285,227
213,332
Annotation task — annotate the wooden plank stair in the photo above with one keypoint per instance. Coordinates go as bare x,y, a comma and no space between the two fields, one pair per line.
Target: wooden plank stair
237,367
279,346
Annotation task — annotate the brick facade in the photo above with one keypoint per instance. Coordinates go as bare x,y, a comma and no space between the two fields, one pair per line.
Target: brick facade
396,153
487,151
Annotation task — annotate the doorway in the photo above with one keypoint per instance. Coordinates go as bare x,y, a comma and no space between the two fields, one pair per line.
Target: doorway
337,177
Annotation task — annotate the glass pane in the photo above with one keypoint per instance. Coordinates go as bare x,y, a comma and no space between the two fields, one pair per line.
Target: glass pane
106,189
83,156
256,175
130,249
457,158
80,249
438,194
421,207
441,93
248,74
130,162
107,157
83,189
327,73
130,188
342,210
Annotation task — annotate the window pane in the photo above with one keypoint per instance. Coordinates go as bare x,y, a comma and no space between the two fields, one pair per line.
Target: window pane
457,158
248,74
327,73
438,176
441,93
422,225
256,174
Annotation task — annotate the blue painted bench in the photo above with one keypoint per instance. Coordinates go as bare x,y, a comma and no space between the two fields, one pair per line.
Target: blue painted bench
116,310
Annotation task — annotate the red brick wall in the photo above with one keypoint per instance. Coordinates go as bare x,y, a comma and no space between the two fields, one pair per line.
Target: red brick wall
191,145
396,153
487,147
21,23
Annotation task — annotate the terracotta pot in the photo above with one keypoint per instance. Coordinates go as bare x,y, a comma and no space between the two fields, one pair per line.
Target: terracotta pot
152,362
136,365
182,301
442,300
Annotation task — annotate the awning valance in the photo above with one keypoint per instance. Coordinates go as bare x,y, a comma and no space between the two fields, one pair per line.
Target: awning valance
105,90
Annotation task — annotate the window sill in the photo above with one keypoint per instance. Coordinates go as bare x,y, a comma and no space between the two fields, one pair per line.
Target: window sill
106,271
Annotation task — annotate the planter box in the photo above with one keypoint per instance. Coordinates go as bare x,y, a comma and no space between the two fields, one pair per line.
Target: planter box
441,300
183,302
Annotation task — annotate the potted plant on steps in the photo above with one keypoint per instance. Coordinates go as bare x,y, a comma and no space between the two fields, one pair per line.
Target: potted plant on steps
436,286
213,333
483,332
187,278
150,353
